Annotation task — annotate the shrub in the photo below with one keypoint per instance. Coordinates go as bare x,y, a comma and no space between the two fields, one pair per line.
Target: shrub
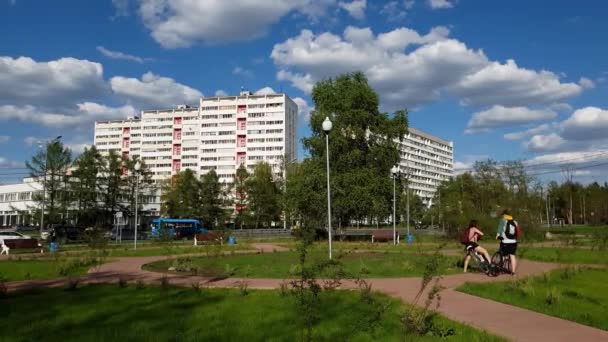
122,281
71,283
139,284
553,297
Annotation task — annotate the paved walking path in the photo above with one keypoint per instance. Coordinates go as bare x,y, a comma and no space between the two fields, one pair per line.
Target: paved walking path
501,319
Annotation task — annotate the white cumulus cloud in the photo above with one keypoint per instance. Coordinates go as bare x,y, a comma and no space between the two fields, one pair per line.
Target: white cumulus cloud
265,91
240,71
500,116
220,93
304,108
441,4
182,23
550,142
4,139
355,8
153,91
409,69
586,83
586,124
53,83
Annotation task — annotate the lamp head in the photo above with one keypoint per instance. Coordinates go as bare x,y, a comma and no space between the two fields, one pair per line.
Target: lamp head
395,170
137,166
327,125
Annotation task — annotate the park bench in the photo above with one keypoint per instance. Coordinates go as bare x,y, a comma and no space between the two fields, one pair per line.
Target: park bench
383,235
209,237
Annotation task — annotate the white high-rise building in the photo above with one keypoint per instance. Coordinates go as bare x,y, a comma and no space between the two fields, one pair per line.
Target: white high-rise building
221,134
426,161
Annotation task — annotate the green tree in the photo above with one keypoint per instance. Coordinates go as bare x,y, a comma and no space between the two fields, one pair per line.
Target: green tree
180,196
362,148
50,165
263,195
240,190
305,195
84,186
111,185
147,187
212,200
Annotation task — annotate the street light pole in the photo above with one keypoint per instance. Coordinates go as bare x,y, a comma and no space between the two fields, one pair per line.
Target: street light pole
394,171
327,125
137,167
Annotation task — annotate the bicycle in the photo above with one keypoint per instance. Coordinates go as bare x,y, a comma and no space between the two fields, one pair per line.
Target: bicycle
502,262
484,265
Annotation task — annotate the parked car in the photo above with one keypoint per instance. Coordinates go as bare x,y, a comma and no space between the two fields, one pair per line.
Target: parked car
63,233
25,227
17,240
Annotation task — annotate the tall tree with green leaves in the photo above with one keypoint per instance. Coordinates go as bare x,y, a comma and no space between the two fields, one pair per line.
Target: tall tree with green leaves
263,195
180,196
84,186
140,180
240,191
50,165
212,200
111,185
362,147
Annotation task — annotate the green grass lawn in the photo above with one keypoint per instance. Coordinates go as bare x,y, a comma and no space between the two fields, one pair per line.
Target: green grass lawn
111,313
564,255
286,264
15,270
126,250
577,229
580,296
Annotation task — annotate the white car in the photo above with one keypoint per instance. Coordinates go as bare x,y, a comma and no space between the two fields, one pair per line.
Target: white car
13,235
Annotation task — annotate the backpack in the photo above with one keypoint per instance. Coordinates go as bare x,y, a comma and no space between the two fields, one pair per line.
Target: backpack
512,230
464,237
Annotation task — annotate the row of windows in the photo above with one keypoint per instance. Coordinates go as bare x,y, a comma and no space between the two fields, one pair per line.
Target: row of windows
16,196
260,123
159,142
158,127
213,142
150,135
107,136
264,131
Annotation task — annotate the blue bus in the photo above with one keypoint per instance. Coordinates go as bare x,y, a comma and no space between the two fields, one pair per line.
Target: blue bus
177,228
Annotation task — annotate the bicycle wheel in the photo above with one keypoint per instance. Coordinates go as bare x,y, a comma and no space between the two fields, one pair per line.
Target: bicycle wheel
506,264
497,259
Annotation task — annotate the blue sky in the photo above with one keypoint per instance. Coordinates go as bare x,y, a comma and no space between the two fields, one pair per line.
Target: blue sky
506,80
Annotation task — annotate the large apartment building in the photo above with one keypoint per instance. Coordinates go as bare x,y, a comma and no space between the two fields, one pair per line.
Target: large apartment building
426,161
221,134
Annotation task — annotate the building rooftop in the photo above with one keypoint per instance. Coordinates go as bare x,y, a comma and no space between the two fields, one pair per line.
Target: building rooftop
429,136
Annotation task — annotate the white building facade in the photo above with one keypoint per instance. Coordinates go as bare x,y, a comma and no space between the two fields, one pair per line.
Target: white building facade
221,134
16,200
426,161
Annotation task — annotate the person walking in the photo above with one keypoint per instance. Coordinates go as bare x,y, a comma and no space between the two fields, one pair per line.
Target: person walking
508,233
4,248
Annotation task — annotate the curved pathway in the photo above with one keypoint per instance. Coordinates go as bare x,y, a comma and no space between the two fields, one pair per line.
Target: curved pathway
505,320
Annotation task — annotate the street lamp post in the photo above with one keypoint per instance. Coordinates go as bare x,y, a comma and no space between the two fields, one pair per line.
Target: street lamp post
46,164
395,172
327,125
68,173
137,168
407,198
